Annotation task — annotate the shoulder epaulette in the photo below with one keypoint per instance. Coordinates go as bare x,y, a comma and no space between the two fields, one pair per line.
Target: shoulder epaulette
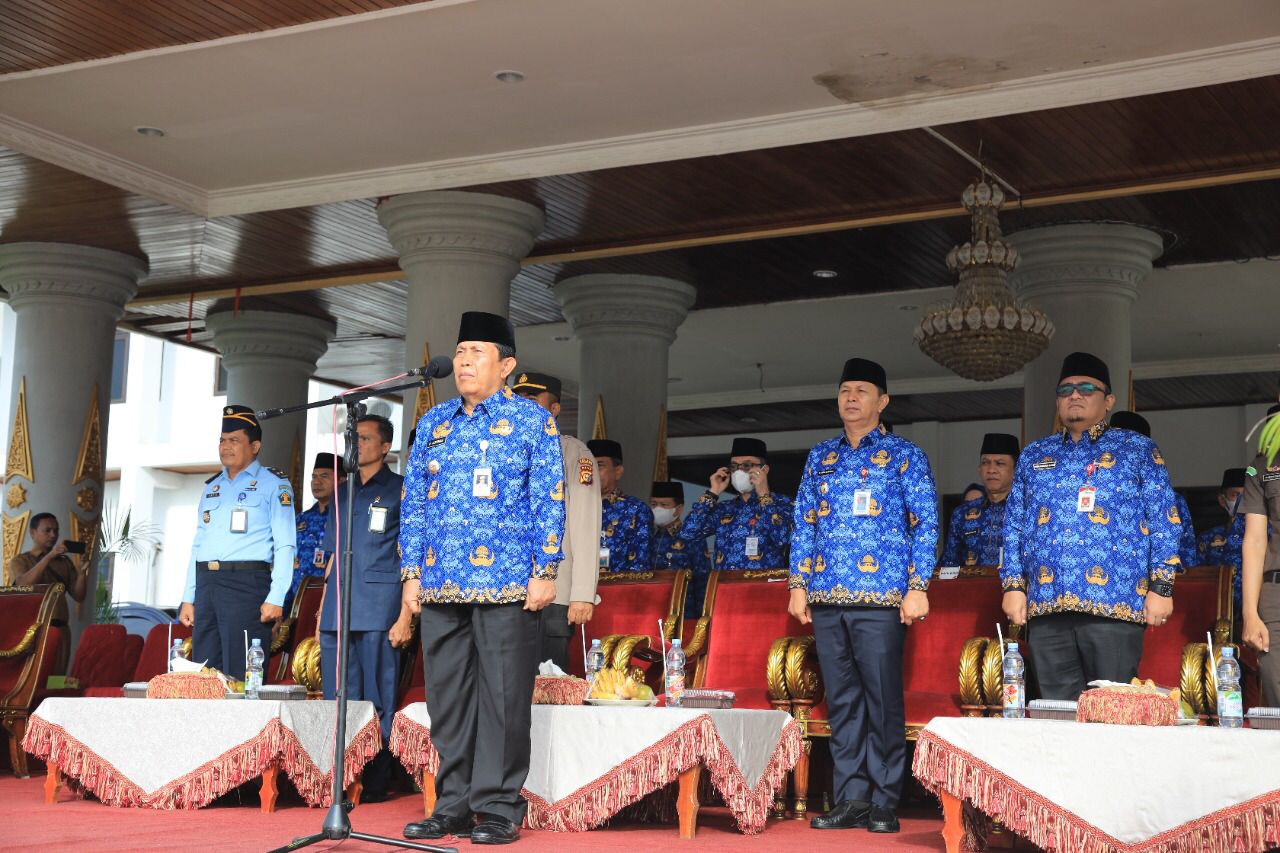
282,475
214,477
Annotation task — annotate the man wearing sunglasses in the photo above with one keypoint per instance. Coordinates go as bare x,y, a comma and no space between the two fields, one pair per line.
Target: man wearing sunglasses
751,531
1090,540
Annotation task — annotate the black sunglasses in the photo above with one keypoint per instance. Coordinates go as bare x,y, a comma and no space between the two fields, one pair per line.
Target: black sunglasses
1085,389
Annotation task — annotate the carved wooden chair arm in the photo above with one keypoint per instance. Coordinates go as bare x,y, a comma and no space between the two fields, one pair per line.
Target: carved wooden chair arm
280,634
623,650
698,642
306,664
972,656
25,645
801,674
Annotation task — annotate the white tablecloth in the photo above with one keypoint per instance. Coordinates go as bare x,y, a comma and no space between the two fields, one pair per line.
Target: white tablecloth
587,763
184,753
1093,787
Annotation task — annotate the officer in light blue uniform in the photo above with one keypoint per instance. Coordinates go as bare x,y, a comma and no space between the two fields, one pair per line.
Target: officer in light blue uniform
380,623
1188,552
242,558
976,534
626,523
862,555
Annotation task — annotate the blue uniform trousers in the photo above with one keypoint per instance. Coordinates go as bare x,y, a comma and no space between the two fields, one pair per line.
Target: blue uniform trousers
860,654
227,604
372,672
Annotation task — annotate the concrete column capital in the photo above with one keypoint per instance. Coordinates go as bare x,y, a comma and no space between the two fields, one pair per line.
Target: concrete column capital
430,226
55,273
605,304
269,339
1084,259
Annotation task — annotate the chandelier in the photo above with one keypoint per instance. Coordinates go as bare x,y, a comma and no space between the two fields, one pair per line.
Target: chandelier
984,332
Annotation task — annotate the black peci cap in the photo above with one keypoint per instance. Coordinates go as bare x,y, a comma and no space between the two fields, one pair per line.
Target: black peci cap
864,370
743,446
537,383
605,448
324,461
1085,364
1233,478
490,328
1132,421
999,443
668,489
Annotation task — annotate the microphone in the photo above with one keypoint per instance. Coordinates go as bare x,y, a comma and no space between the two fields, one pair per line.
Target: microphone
438,368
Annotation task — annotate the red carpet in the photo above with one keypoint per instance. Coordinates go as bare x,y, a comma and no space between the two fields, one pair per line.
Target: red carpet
85,825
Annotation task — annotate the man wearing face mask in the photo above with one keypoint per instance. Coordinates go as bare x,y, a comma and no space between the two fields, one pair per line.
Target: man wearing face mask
976,534
753,530
579,570
1187,551
1220,546
670,552
626,532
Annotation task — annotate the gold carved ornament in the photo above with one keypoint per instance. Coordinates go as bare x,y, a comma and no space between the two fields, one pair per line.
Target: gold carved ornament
295,472
186,648
764,574
775,670
971,654
89,459
24,645
306,664
426,394
802,679
19,463
280,635
699,640
86,533
598,430
87,499
1191,676
625,648
625,577
15,496
993,673
660,474
14,529
607,642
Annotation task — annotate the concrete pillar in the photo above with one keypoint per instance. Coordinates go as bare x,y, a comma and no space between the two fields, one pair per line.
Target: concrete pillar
1085,277
459,252
270,356
625,325
67,300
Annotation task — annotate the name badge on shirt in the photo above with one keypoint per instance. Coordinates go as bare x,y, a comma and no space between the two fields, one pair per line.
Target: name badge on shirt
239,520
378,519
753,546
862,502
481,482
1086,499
317,558
604,557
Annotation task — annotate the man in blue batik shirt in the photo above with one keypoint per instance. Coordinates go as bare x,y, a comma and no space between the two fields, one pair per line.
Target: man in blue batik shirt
670,551
481,524
862,555
1188,553
1090,540
626,523
1220,546
242,556
976,534
312,558
751,531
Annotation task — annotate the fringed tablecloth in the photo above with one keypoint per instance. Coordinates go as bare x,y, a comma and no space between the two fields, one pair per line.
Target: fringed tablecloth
588,763
185,753
1097,788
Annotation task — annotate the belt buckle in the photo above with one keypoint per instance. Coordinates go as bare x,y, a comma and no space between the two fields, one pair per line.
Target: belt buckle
214,565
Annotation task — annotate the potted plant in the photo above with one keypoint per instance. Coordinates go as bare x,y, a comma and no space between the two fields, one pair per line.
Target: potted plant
118,535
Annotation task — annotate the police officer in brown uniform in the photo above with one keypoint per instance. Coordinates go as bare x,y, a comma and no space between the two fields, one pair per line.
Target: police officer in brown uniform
1260,505
576,581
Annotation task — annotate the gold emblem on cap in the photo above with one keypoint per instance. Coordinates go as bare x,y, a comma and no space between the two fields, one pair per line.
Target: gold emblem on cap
227,410
524,377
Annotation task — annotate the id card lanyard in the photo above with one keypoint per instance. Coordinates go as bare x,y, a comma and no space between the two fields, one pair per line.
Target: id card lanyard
862,498
482,477
240,517
1087,496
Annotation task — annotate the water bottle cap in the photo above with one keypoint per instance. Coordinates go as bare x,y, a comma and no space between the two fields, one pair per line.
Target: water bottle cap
674,643
257,642
1013,647
595,643
1228,652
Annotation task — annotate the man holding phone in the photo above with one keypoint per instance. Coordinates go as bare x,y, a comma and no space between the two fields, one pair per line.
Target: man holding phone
47,562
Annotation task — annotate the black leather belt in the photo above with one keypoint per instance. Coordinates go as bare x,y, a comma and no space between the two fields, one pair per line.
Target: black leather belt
1271,576
235,565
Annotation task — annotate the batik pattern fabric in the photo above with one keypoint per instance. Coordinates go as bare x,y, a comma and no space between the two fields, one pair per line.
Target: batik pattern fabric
626,529
481,544
672,552
1098,560
1188,553
1224,546
874,557
311,559
976,534
734,523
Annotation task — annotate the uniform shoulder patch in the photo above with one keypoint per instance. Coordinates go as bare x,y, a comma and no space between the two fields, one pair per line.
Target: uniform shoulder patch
286,499
586,475
282,475
214,477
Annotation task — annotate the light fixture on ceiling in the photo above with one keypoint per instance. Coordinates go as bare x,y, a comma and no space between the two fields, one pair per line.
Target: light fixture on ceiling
825,273
149,131
509,76
984,332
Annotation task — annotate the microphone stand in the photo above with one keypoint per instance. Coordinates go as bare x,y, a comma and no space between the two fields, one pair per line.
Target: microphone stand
337,824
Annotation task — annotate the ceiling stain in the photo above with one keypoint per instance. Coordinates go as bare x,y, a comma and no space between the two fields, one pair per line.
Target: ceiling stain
884,76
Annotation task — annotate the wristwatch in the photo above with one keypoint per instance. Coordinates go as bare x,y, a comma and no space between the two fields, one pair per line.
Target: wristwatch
1164,589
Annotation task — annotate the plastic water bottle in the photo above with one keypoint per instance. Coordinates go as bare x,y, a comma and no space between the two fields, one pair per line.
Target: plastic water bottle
595,661
1015,684
1230,702
175,653
253,674
675,675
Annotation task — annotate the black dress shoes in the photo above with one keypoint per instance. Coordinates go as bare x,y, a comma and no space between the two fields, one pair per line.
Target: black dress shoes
848,814
493,829
438,826
882,819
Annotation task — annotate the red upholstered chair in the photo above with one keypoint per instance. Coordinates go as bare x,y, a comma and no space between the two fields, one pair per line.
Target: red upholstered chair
99,656
413,683
28,647
152,660
300,623
133,644
626,619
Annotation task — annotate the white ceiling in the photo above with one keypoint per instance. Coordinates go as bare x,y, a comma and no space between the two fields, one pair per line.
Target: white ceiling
395,101
1195,320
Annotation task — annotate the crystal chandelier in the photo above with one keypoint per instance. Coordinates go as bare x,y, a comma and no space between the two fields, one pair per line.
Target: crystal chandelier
984,332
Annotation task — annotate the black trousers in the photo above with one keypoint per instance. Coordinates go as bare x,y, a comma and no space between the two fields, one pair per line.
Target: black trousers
1068,650
480,670
860,653
554,634
227,604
